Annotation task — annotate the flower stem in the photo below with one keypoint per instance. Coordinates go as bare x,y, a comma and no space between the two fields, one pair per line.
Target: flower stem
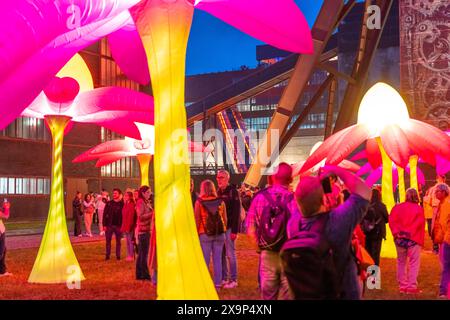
56,261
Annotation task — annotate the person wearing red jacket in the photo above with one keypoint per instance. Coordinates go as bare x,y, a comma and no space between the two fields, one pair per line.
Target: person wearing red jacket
407,223
129,219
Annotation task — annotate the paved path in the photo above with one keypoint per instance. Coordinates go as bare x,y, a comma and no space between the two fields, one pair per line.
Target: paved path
34,240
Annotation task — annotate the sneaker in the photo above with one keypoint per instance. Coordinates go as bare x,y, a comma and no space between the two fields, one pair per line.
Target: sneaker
414,291
90,235
80,236
443,297
6,274
231,285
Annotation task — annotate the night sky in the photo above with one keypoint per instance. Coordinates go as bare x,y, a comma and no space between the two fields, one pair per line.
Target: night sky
216,46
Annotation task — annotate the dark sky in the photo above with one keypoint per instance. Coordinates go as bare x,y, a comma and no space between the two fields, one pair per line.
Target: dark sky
217,46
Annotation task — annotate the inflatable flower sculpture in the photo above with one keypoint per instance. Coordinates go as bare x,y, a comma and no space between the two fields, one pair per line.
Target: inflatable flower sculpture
39,37
59,104
390,136
346,164
111,151
164,27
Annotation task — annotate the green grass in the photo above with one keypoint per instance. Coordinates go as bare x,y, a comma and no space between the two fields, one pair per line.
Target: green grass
115,279
21,225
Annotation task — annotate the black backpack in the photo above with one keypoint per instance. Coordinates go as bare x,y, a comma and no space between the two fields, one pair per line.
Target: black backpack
271,233
309,264
370,223
214,223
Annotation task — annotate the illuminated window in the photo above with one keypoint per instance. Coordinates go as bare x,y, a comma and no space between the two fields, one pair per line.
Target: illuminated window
27,128
24,186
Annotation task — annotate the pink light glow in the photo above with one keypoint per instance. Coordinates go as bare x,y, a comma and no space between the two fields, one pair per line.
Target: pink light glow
44,37
114,108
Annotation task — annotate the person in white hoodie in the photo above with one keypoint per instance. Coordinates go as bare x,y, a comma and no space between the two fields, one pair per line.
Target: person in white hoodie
4,214
100,204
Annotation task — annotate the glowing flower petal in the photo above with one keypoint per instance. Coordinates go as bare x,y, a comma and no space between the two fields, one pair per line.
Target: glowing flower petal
396,144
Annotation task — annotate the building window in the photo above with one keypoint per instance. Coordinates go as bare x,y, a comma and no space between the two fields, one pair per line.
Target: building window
27,128
24,186
123,168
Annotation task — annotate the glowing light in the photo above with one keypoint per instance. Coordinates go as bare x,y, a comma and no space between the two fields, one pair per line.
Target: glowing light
381,106
388,249
55,254
413,172
77,69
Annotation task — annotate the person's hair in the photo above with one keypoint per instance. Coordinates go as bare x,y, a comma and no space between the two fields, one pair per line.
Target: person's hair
141,191
86,196
283,174
118,190
309,195
412,195
130,196
443,187
77,193
225,172
208,189
375,196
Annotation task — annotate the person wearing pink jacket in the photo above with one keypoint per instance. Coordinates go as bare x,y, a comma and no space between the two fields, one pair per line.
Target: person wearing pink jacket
407,223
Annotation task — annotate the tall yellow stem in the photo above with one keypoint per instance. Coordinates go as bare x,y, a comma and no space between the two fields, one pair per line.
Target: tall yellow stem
164,27
144,164
413,172
387,195
56,261
401,184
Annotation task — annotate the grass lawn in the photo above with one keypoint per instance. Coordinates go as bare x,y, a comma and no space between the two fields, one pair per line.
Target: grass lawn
115,279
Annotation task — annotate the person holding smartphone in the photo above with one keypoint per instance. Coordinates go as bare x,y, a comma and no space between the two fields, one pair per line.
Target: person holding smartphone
4,214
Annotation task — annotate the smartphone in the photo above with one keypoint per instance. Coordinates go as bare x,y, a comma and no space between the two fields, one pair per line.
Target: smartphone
326,185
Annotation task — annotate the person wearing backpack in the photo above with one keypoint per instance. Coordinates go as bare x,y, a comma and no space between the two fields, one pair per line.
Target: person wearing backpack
211,219
441,236
407,223
317,256
374,225
266,223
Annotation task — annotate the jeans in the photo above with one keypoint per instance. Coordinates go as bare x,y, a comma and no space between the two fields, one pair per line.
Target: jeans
408,281
229,263
373,246
213,245
445,277
273,280
142,272
130,247
88,222
2,253
109,233
100,220
77,226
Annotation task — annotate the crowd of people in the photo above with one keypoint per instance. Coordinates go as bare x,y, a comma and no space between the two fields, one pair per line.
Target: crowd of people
314,242
128,215
318,241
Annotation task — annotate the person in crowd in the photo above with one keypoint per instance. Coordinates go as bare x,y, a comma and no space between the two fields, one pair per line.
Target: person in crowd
112,222
4,214
77,213
129,223
407,223
88,212
211,220
273,283
428,211
230,196
145,214
441,235
337,225
374,225
440,179
102,199
194,194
